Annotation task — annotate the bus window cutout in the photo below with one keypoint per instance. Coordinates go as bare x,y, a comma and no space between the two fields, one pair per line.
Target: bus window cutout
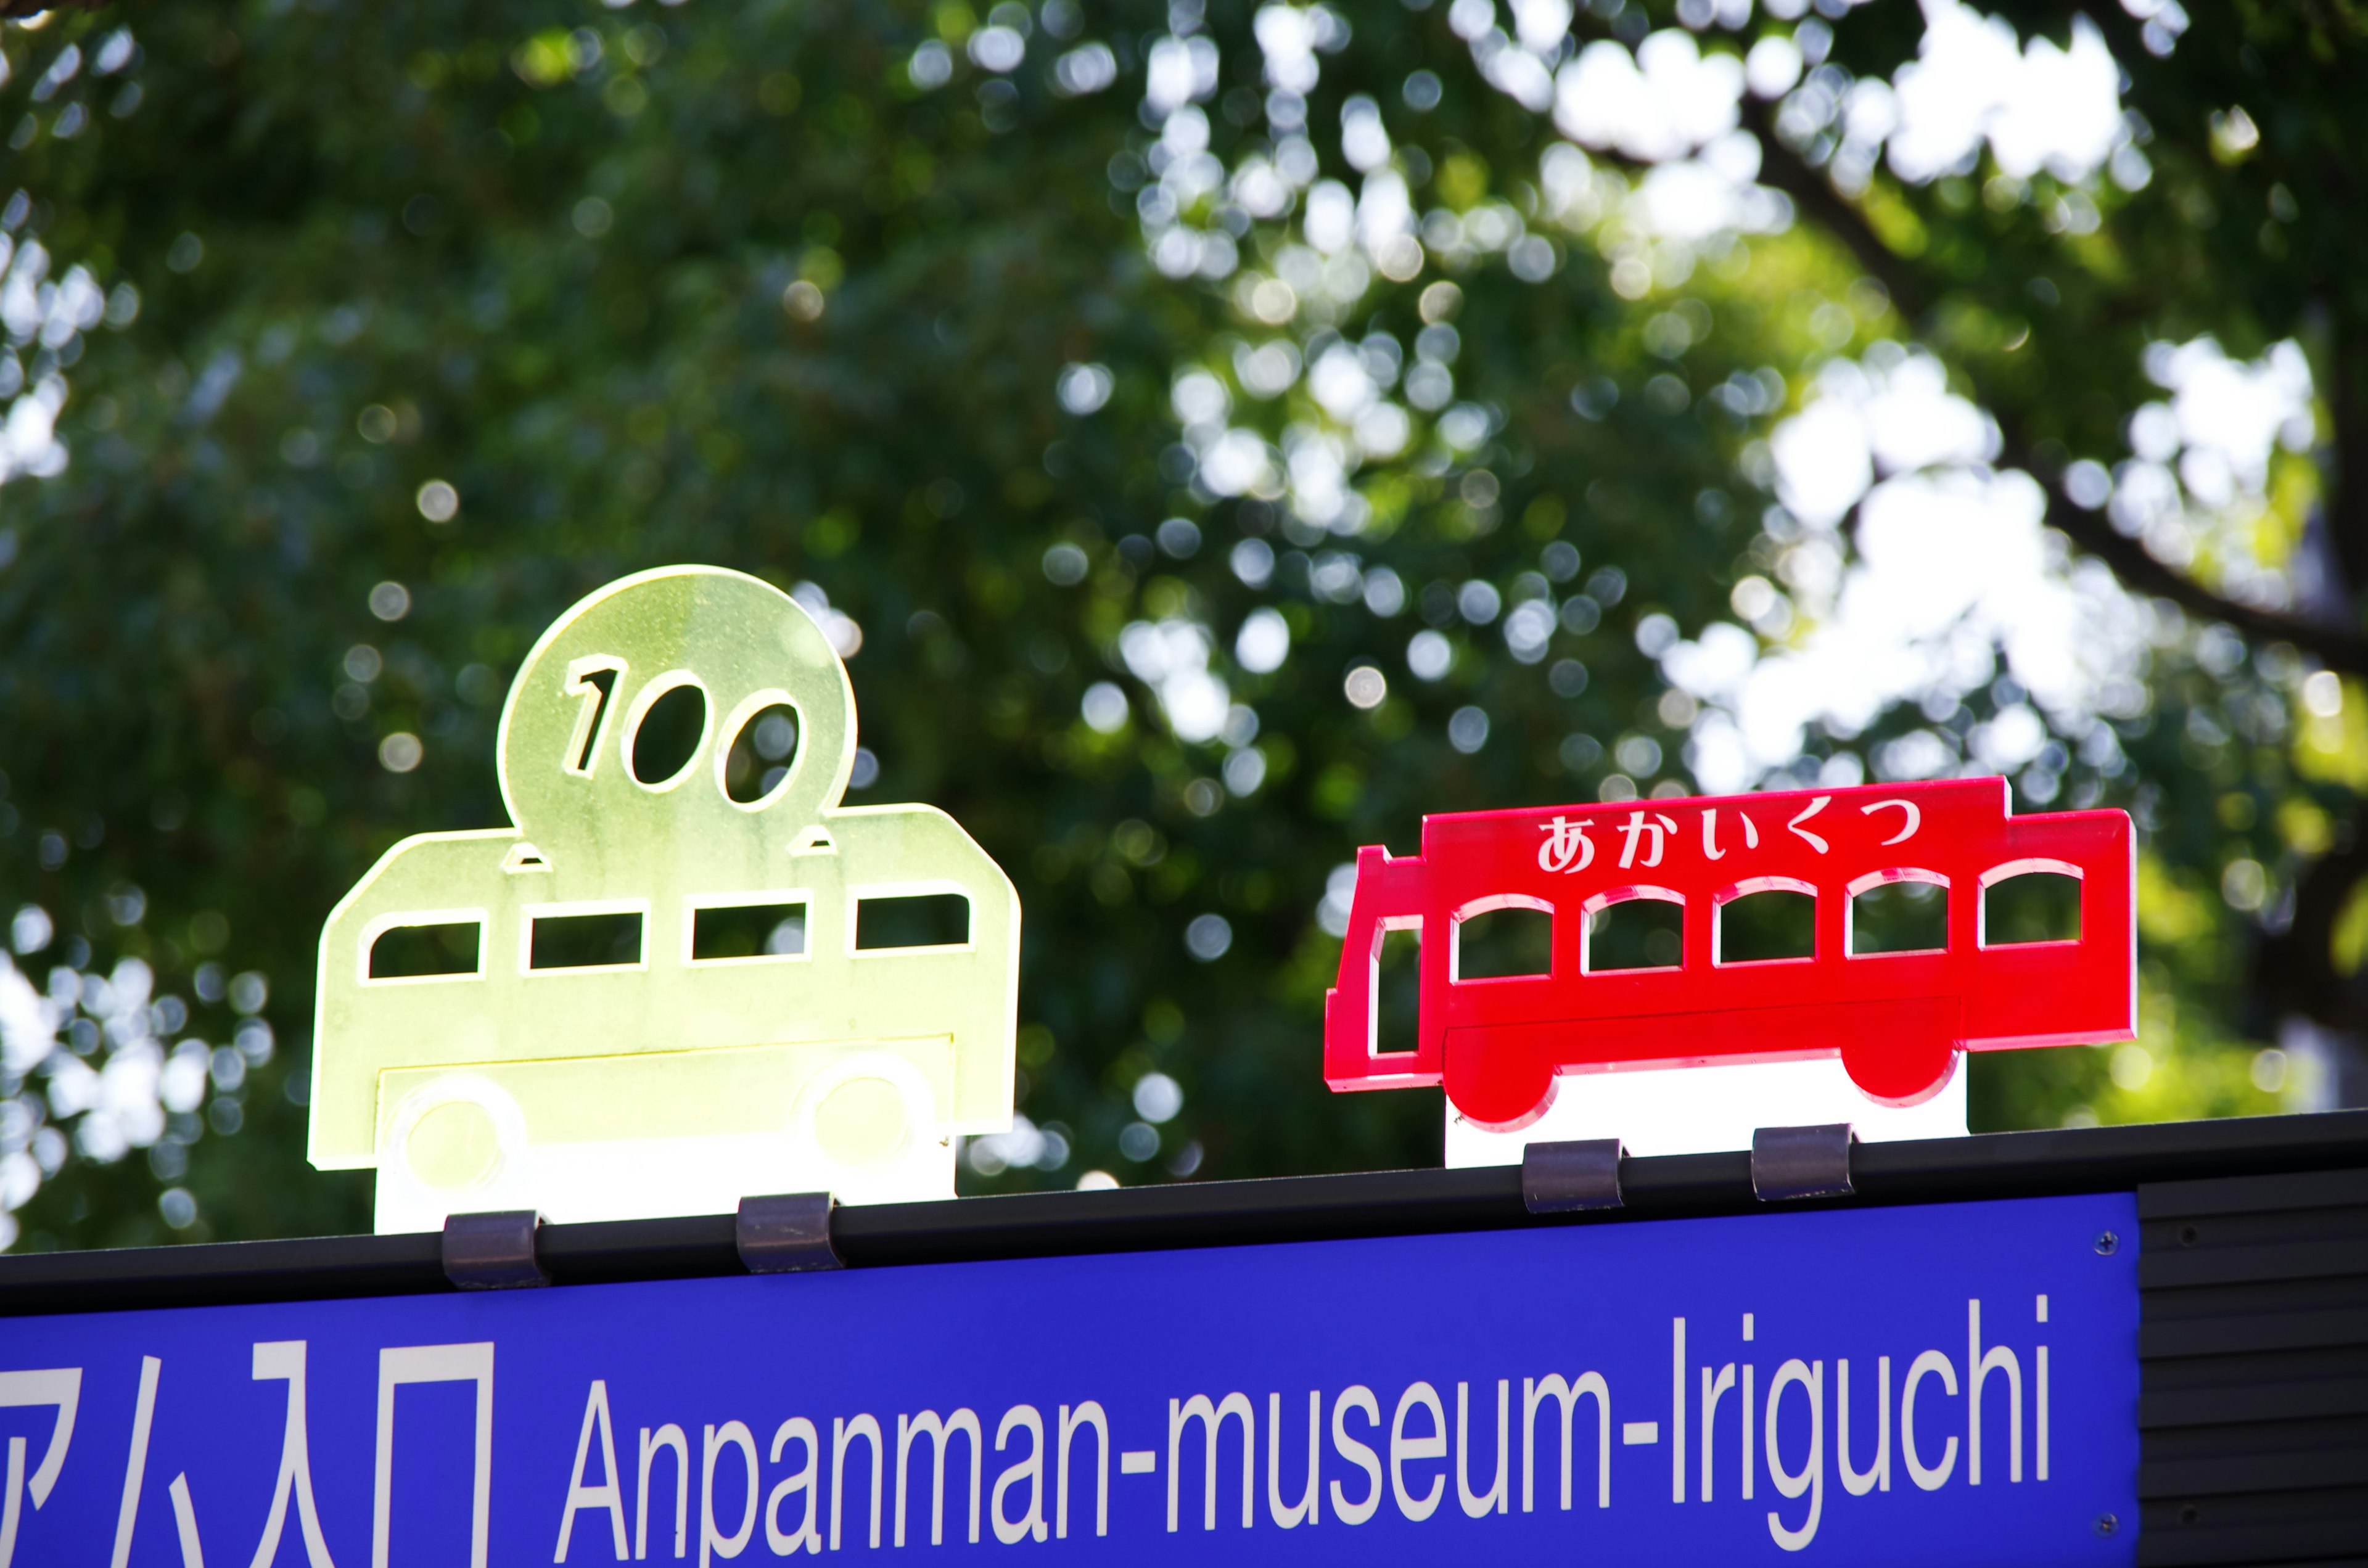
443,950
741,932
2040,904
899,922
677,998
1898,912
1767,922
1510,941
1772,942
1634,928
597,938
1397,981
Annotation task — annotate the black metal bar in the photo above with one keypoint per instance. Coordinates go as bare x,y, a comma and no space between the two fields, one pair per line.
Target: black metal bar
2006,1165
308,1269
2221,1474
2233,1404
2251,1264
2307,1544
2238,1335
2253,1194
614,1250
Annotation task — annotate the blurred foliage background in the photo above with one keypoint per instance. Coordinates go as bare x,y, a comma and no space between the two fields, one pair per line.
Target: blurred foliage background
1121,381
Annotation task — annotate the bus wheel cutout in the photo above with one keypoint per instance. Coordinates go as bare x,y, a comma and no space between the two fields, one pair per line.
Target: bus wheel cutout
862,1122
862,1111
1910,1060
454,1145
457,1135
1502,1093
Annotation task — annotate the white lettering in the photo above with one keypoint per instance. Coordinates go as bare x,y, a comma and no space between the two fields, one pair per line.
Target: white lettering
1812,1478
185,1522
1812,808
1677,1410
144,1414
1856,1483
1655,832
1565,839
61,1386
2043,1411
1911,818
1405,1450
398,1365
12,1505
283,1360
843,1434
1308,1509
1029,1526
1477,1505
1750,1430
667,1437
1212,1419
611,1494
1535,1392
940,1434
1931,1363
808,1534
1088,1415
1979,1366
1712,1390
713,1440
1362,1455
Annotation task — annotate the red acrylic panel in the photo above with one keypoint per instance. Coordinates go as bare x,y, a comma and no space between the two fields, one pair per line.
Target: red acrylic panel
1897,1019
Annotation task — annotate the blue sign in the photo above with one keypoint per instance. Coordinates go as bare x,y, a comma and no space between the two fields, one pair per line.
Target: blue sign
1943,1384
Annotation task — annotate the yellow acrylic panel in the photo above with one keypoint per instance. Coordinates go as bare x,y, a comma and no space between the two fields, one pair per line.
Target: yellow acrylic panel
642,1080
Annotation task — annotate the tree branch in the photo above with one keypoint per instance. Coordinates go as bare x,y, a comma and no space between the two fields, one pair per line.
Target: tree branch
2140,571
2293,970
2344,497
2297,965
1814,195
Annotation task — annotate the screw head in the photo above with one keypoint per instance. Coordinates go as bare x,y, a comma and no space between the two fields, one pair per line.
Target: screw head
2108,1243
2107,1523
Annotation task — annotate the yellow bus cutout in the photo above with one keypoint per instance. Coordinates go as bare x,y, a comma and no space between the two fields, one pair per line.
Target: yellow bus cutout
688,974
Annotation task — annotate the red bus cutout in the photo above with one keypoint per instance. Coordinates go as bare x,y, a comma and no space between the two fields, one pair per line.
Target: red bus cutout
1898,1019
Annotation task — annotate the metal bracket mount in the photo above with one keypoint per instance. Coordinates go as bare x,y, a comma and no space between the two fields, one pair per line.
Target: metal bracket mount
492,1251
787,1234
1564,1179
1789,1163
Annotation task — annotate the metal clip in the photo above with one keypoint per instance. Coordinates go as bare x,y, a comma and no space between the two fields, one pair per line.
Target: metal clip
787,1234
1562,1178
1802,1161
492,1251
